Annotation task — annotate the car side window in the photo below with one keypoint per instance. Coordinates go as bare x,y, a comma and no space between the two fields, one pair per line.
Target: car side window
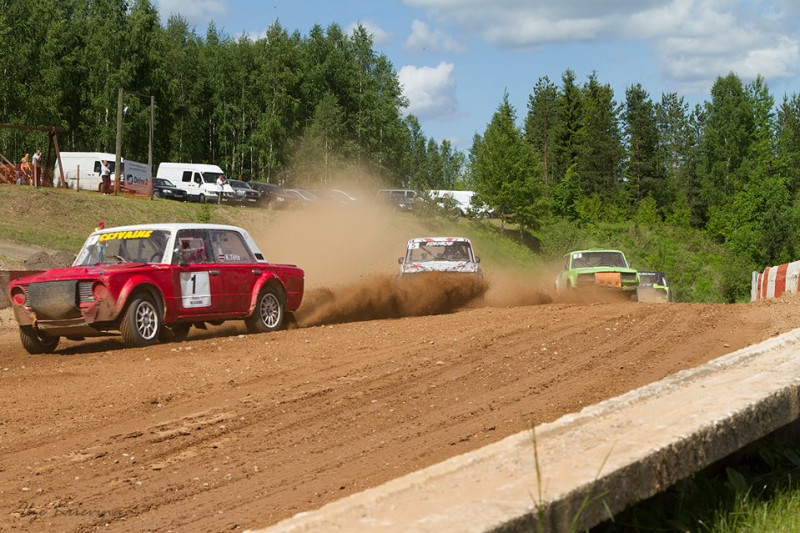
229,247
191,247
197,178
187,176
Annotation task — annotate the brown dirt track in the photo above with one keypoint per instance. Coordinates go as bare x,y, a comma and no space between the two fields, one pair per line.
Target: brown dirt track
229,431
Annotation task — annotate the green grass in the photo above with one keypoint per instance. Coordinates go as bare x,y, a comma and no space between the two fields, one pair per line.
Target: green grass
61,219
759,492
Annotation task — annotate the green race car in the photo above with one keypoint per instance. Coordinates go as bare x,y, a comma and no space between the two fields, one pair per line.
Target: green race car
597,269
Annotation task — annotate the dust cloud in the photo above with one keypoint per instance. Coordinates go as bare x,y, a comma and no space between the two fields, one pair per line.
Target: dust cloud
336,244
349,253
382,296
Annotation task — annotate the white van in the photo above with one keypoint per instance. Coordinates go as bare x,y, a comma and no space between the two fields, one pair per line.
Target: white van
89,164
461,200
197,179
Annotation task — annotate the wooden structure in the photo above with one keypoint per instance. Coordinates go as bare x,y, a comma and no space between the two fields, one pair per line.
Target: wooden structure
52,148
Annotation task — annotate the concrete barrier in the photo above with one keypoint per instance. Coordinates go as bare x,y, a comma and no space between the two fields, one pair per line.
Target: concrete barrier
613,454
5,277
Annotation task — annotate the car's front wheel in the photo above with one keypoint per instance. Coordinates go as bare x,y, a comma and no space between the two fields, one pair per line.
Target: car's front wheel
269,311
37,342
141,323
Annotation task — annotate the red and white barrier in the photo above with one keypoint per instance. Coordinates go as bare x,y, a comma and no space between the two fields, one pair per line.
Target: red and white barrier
775,281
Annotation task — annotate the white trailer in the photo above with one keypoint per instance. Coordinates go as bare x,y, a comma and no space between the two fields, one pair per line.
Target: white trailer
89,165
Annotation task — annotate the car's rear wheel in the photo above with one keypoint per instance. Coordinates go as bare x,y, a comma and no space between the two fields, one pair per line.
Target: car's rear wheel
202,199
37,342
269,312
141,323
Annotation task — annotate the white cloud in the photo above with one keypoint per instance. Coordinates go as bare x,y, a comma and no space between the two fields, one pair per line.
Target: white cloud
195,11
379,35
696,40
431,91
423,39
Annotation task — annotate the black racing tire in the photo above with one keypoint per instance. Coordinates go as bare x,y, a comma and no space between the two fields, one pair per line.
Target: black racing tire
269,312
141,322
37,342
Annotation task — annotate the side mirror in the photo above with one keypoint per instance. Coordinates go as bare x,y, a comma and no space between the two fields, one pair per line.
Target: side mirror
399,260
477,259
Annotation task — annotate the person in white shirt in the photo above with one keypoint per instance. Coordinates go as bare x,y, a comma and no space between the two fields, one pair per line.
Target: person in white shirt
221,181
105,175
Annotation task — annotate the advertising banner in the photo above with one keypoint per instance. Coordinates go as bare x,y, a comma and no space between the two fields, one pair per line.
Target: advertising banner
136,179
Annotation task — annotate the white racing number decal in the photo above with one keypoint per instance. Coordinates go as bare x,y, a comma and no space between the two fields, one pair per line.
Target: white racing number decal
195,289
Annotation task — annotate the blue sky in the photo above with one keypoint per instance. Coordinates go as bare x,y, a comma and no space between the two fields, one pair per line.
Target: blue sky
456,58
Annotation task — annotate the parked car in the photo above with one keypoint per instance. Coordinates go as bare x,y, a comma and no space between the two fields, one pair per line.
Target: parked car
398,199
163,188
439,254
334,196
300,198
653,287
597,269
244,193
271,194
147,280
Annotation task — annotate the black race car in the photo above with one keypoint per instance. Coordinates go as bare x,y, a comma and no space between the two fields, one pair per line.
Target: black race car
163,188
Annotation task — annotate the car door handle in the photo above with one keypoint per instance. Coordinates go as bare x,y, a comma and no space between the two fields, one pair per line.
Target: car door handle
214,272
257,271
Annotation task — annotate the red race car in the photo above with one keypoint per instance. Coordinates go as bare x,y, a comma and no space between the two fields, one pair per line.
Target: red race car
154,281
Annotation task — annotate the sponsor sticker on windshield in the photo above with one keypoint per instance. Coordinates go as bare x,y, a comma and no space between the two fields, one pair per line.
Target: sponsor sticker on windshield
137,234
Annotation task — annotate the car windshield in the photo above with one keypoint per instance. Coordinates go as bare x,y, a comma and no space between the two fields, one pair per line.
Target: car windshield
421,252
652,278
111,247
164,182
598,259
211,177
239,184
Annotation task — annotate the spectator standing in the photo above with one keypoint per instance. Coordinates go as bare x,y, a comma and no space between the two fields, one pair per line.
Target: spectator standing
221,181
105,175
100,246
25,168
37,169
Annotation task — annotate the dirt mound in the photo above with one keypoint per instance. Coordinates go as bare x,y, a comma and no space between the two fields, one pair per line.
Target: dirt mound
42,260
383,296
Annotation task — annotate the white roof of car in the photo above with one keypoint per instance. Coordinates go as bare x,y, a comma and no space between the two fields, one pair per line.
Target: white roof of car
439,239
172,226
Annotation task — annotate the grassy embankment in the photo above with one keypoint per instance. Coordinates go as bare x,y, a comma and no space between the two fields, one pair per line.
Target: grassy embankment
62,219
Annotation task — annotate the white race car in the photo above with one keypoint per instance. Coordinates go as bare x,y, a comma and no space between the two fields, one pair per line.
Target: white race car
439,254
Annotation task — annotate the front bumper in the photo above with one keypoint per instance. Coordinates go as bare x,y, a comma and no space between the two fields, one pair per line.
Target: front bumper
65,308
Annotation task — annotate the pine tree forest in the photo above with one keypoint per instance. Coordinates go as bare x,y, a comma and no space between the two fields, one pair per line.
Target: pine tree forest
302,109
